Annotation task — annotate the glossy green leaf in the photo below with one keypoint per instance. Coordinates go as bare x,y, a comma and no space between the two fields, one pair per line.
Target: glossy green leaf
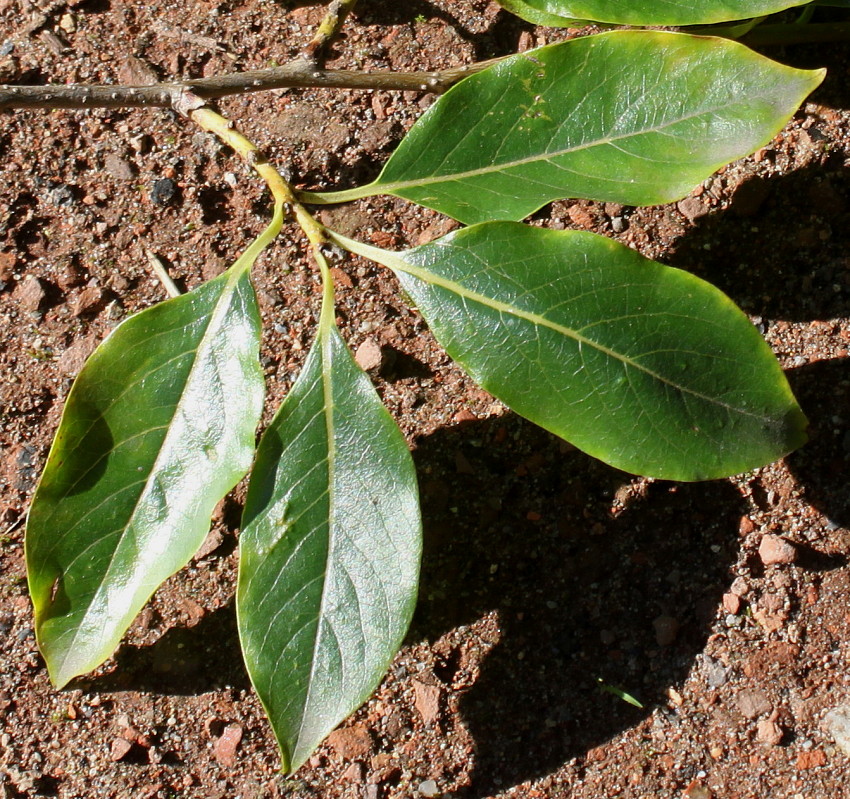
329,553
635,117
536,17
653,12
646,367
158,426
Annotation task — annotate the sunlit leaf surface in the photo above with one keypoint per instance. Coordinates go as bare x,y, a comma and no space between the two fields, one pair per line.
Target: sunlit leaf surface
646,367
329,554
634,117
158,426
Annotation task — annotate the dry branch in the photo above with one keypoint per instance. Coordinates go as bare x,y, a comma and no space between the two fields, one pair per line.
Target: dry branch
299,73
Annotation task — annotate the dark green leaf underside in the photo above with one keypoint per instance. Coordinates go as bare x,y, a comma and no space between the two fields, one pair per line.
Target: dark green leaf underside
646,367
635,117
329,554
158,426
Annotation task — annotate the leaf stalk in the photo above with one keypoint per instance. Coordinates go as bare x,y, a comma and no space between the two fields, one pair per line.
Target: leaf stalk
283,194
328,30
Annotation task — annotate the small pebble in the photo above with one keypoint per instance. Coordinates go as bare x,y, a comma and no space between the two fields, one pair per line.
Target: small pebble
427,701
31,293
120,168
368,355
769,732
71,360
774,549
164,192
90,300
666,630
24,633
62,195
716,674
753,703
837,722
428,788
731,603
350,743
224,748
811,759
692,208
119,749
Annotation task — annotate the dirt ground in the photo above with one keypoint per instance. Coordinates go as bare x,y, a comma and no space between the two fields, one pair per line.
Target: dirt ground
547,576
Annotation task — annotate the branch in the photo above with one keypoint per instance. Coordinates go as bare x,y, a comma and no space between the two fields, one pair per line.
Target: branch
297,74
328,29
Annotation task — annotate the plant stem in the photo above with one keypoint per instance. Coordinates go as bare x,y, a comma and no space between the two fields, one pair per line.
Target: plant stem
223,128
304,73
327,314
328,29
162,274
296,74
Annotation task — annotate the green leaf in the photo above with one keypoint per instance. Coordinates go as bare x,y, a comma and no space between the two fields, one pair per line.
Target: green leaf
646,367
329,553
158,427
654,12
619,693
527,12
634,117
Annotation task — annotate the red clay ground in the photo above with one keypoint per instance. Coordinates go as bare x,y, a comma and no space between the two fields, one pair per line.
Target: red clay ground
544,570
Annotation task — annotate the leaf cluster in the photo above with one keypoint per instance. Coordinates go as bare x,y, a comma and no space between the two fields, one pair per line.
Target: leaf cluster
641,365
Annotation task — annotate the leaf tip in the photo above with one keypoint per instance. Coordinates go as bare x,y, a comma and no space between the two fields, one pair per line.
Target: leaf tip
58,674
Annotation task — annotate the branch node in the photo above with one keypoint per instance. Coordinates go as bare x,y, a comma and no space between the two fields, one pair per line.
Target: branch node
253,157
184,101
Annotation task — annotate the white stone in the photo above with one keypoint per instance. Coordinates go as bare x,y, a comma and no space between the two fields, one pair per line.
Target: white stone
837,721
428,788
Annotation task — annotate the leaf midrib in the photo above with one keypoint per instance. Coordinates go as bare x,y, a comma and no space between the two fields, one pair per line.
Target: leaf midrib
324,335
401,185
395,262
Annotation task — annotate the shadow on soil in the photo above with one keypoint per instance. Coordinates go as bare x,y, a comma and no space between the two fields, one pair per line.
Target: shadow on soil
184,661
500,38
822,465
585,587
